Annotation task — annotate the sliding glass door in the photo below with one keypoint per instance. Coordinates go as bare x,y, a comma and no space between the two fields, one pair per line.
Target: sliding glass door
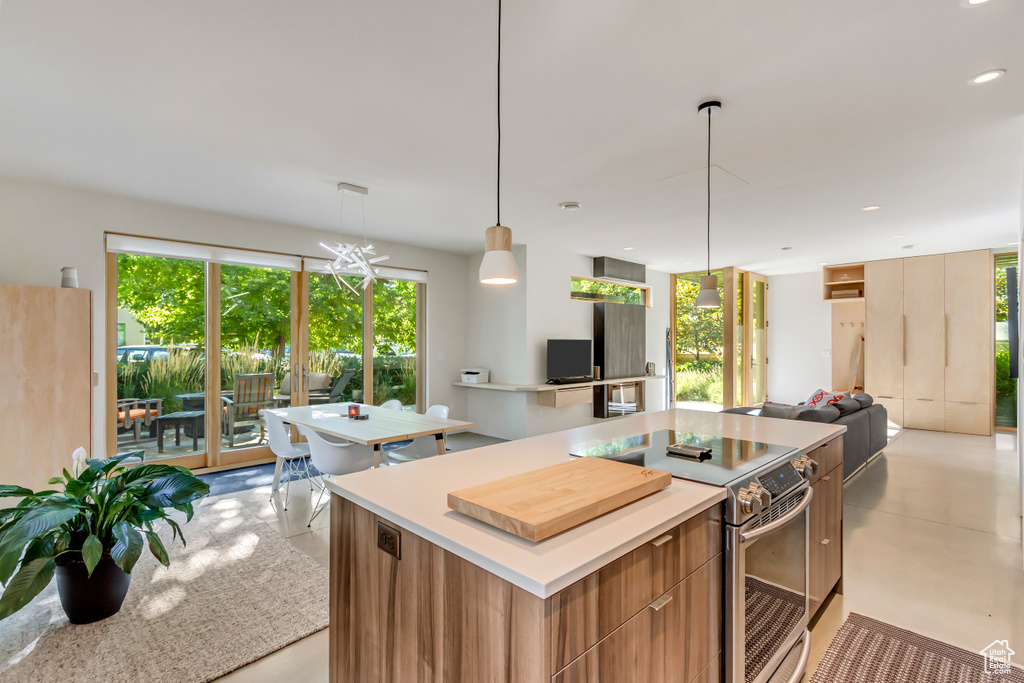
721,354
217,335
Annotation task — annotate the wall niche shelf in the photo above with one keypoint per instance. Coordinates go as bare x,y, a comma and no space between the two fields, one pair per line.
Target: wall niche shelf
843,283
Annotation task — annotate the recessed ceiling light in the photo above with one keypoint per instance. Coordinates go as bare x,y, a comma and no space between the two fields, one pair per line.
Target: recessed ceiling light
570,206
974,3
628,248
873,207
1012,244
908,246
786,248
899,237
988,76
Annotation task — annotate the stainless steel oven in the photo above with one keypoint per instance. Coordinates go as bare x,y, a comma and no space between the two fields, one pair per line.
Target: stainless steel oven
766,531
766,587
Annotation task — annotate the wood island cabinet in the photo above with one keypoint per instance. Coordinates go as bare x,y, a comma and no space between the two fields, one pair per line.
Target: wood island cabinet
651,615
826,524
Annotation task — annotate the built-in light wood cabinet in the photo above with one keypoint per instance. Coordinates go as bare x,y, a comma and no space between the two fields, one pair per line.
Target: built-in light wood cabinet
885,335
651,615
929,347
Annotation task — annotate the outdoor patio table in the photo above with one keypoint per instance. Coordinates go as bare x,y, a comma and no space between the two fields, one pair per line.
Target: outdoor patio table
191,418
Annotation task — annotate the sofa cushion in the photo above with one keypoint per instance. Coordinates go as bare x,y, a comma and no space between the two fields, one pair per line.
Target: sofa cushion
319,381
743,410
286,384
846,406
822,414
781,410
863,399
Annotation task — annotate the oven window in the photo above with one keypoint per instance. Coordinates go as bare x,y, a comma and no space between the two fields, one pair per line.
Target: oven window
776,592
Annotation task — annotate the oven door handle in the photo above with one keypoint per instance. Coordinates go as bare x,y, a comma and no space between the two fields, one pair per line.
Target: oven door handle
781,521
805,655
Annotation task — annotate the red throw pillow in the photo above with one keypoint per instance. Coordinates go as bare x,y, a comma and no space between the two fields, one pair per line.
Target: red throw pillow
824,398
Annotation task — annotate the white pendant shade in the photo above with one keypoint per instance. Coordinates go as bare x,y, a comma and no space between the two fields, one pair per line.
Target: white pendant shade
499,265
709,296
499,268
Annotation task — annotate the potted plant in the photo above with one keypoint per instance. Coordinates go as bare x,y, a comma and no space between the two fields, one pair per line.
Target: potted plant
90,534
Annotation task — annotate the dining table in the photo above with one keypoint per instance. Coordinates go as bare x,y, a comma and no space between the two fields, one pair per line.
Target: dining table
381,426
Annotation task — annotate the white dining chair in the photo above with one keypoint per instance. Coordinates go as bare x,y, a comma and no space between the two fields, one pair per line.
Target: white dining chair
289,455
333,459
422,446
393,404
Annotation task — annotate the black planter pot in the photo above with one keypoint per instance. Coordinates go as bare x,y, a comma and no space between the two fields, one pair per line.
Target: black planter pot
90,598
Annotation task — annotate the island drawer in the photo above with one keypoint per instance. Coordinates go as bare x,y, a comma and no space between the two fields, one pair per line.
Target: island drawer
593,607
677,638
828,456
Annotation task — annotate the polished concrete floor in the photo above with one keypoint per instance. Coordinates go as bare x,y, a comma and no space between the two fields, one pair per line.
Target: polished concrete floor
932,534
933,544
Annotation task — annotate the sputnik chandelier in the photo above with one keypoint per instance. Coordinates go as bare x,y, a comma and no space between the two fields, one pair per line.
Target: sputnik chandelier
351,258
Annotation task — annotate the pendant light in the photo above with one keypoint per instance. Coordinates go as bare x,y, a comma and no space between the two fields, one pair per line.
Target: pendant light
350,258
499,265
709,296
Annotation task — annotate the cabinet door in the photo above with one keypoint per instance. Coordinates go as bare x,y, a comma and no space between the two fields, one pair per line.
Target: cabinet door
884,329
968,418
826,537
923,295
672,640
924,413
969,301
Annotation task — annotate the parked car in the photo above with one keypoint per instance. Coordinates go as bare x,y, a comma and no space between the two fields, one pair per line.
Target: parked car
140,354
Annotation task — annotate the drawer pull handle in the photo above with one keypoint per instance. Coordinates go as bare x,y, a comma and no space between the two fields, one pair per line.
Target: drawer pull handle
824,541
658,542
827,477
885,397
660,602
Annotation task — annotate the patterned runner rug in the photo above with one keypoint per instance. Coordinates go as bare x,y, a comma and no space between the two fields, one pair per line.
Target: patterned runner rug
870,651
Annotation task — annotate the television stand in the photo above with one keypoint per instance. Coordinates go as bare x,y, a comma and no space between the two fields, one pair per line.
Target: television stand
571,380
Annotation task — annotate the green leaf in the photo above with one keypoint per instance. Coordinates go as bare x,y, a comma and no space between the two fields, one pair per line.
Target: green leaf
176,530
156,547
174,489
29,581
36,522
127,546
8,491
56,480
92,551
77,489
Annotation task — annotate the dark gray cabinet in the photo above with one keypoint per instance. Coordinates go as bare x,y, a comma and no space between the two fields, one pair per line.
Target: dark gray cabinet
620,339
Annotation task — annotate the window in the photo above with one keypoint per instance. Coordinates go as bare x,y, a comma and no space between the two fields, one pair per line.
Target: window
122,334
589,289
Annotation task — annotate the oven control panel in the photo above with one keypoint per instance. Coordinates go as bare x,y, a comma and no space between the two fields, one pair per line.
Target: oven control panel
780,480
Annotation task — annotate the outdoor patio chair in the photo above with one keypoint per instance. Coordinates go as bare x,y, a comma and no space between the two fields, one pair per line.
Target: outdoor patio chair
252,394
133,413
336,390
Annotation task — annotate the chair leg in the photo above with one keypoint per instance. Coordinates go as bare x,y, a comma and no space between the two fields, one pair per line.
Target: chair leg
316,508
288,485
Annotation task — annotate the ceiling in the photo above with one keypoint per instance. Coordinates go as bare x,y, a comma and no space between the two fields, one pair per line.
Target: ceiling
260,108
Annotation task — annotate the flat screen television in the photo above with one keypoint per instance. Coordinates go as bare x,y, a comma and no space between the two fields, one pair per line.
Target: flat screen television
570,358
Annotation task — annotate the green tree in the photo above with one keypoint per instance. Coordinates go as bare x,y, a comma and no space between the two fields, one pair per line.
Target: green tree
698,330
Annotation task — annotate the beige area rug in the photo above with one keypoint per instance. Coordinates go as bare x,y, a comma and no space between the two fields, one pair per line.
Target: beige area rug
870,651
237,592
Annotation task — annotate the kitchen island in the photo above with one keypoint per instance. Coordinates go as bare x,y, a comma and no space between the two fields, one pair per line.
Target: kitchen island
422,593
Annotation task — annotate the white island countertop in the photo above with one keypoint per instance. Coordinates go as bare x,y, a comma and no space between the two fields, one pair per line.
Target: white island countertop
414,496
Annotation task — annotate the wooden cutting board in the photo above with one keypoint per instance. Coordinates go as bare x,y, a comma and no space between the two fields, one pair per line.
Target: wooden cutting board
539,504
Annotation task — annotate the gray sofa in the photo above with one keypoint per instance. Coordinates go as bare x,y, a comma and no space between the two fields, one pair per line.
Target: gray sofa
866,425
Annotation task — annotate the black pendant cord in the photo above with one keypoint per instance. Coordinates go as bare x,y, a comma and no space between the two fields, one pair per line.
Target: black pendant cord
709,190
499,115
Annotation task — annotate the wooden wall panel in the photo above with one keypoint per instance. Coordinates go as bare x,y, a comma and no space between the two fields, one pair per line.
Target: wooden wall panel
847,347
883,330
620,339
45,381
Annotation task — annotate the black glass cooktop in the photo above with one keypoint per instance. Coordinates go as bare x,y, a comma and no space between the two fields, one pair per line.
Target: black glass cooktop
730,458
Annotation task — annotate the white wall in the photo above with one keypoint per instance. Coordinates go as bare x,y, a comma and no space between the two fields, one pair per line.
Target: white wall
508,329
44,227
799,337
